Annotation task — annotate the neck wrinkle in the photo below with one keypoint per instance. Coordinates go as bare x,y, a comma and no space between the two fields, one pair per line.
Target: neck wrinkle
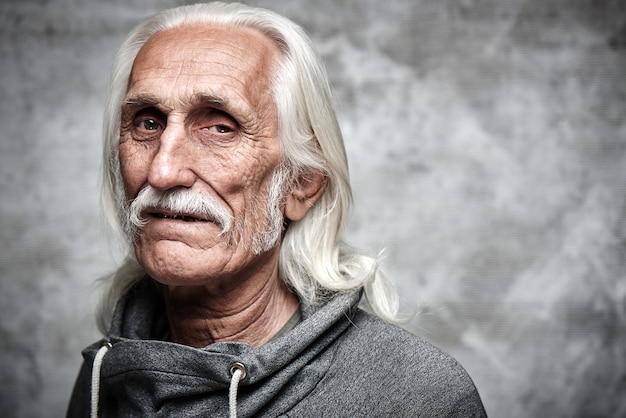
251,315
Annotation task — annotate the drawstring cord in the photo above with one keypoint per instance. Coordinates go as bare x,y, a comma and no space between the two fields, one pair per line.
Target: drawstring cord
238,373
95,377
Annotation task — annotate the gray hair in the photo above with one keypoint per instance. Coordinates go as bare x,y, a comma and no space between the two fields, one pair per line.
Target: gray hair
313,260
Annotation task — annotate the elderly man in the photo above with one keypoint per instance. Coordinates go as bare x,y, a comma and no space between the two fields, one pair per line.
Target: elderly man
226,175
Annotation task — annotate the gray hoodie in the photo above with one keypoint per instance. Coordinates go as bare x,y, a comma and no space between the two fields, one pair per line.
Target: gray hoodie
339,361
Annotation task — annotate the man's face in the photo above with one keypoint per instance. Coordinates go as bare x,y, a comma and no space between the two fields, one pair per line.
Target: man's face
199,116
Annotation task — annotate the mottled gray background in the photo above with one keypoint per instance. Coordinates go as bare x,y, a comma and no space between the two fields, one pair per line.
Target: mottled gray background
488,152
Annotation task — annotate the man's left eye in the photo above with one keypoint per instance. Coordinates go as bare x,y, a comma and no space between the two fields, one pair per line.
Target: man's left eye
221,129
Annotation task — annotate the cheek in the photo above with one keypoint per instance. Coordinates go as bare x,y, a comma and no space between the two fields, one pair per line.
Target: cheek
134,166
237,170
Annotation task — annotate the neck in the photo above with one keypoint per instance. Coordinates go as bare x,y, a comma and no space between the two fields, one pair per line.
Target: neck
252,313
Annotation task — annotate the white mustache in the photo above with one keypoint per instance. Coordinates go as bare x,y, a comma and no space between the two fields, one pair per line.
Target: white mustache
182,201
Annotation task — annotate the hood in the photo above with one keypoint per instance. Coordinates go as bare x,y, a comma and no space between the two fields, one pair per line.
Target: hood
141,374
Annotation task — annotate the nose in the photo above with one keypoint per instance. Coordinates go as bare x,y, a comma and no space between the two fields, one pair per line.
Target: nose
172,166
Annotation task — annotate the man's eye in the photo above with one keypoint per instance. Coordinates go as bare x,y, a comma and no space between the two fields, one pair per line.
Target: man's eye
222,129
146,127
149,125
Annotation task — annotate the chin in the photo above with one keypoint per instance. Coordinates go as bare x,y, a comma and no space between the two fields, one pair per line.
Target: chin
176,263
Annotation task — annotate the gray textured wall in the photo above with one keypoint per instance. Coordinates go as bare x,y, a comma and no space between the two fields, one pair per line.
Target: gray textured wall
488,152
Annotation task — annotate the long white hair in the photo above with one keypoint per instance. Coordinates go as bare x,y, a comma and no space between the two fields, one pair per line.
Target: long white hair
313,260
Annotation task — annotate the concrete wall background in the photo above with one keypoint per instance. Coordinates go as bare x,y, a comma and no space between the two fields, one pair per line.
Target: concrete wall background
487,141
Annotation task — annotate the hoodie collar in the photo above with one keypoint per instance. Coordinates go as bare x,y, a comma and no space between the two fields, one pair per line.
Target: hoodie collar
139,365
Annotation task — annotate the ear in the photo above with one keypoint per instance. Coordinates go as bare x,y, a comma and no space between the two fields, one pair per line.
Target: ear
305,191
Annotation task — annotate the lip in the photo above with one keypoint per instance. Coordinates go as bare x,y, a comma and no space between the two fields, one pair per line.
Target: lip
157,213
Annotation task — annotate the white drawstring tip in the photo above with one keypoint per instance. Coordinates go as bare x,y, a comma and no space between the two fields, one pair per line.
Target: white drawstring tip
238,373
95,378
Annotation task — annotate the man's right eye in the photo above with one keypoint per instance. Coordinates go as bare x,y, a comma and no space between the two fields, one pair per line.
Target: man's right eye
147,128
149,125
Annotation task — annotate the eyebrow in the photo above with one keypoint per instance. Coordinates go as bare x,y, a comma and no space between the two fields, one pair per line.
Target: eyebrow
143,100
140,100
209,99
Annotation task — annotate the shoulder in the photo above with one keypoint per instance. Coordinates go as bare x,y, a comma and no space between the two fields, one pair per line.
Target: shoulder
373,336
411,373
390,346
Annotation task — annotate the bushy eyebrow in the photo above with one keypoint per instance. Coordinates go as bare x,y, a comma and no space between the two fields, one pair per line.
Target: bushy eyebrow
208,99
148,100
141,100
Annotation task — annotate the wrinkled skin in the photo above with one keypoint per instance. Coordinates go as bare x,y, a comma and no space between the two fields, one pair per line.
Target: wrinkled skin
199,114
